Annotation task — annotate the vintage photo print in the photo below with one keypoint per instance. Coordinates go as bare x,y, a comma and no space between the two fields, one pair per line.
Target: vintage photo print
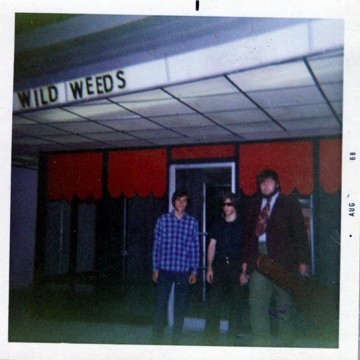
122,122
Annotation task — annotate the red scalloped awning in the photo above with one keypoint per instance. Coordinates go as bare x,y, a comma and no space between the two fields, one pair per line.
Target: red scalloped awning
293,161
71,175
330,165
139,172
203,152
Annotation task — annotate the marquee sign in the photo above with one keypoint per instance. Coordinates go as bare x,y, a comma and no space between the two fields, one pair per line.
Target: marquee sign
114,82
79,89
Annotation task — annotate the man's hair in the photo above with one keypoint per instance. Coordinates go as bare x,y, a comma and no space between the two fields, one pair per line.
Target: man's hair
180,193
267,174
235,199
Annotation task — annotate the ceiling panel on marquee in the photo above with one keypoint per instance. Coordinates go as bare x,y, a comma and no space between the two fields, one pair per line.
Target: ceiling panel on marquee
338,107
83,127
154,134
67,139
142,96
287,75
328,67
243,129
238,117
204,131
300,112
27,140
51,147
52,116
20,120
207,138
131,143
270,135
314,123
216,86
174,140
316,131
94,145
157,107
333,91
207,104
176,121
93,103
131,124
102,111
210,137
110,137
38,130
16,134
288,97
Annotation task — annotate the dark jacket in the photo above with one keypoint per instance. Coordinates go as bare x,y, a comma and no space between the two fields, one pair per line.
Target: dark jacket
287,241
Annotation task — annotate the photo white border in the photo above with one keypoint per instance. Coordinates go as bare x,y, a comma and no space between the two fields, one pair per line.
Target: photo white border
349,279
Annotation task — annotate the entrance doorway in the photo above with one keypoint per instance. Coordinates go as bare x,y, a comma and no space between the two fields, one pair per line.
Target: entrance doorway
205,183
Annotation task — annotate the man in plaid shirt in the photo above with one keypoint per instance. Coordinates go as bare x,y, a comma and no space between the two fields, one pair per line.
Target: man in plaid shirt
175,261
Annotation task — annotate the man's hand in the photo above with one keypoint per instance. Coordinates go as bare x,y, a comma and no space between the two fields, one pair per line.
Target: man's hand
209,276
192,279
155,276
304,270
244,278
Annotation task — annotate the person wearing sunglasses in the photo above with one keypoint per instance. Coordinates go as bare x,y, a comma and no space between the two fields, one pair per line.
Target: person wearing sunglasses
223,269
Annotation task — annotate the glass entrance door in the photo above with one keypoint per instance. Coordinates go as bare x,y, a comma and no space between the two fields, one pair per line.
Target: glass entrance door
205,183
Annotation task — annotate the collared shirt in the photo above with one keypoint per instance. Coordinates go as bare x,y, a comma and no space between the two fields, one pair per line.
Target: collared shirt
176,243
262,237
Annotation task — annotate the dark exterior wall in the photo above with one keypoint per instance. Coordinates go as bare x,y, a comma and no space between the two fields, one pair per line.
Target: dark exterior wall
23,226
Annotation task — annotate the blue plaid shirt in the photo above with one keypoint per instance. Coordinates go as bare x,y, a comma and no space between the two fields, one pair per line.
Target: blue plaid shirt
176,243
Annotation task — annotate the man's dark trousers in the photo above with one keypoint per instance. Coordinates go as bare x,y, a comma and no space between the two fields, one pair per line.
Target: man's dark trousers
225,289
165,281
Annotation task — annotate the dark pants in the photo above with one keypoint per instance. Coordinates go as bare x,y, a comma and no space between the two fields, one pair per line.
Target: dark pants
225,297
165,281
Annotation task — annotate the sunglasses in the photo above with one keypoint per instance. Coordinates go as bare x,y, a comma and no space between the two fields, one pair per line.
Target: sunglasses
227,204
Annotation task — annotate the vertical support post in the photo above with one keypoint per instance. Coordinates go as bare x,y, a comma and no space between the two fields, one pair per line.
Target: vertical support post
61,237
42,208
41,232
316,203
124,252
73,235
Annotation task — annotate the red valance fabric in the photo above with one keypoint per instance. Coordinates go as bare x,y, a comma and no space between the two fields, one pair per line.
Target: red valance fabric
330,165
71,175
203,152
293,161
137,172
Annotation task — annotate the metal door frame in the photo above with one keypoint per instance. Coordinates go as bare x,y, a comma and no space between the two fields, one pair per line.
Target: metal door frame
174,167
172,188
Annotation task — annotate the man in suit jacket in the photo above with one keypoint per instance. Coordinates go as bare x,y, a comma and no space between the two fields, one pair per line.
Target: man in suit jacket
274,225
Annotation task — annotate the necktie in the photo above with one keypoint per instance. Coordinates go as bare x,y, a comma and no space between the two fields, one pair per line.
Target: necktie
263,219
